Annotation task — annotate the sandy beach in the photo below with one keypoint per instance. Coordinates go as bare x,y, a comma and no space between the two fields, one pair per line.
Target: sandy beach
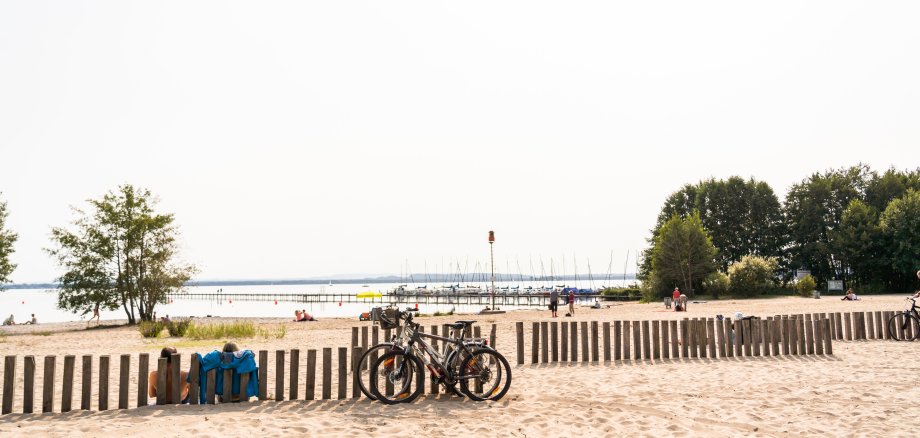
866,388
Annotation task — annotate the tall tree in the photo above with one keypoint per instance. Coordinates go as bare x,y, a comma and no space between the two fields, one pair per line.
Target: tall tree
683,255
900,224
123,254
857,243
7,239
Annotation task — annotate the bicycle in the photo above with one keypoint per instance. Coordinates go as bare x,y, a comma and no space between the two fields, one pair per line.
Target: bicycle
388,318
905,326
400,372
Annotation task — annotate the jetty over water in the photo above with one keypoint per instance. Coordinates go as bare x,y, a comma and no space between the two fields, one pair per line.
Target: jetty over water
522,300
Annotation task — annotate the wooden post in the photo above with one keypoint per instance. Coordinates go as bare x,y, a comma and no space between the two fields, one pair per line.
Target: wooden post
737,333
103,383
492,337
375,335
194,385
244,383
162,370
606,341
701,341
766,337
617,340
656,341
879,326
535,343
210,387
777,331
355,357
364,339
555,341
786,337
684,338
584,341
263,374
720,337
343,372
434,342
675,345
627,340
9,381
838,335
595,348
809,337
124,370
279,370
637,344
544,342
818,336
646,341
294,374
726,337
870,325
573,330
86,387
48,384
665,339
849,327
226,395
310,390
67,385
327,373
748,336
691,336
711,335
828,346
519,328
564,338
800,334
861,317
28,384
175,391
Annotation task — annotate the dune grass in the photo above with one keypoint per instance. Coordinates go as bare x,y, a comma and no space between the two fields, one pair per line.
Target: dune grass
234,330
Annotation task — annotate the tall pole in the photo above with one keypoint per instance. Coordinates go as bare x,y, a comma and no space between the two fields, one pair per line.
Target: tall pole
492,257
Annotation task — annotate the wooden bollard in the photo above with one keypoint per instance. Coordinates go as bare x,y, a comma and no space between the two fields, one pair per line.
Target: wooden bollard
244,383
67,384
809,337
263,374
9,381
584,341
354,342
765,337
573,342
848,326
711,336
327,373
175,391
48,385
194,371
738,334
665,339
375,339
675,347
434,342
310,389
777,333
564,342
226,394
544,342
279,374
793,331
818,336
748,339
595,348
725,338
86,386
637,341
617,340
535,343
606,341
839,335
828,345
162,373
646,341
800,334
656,341
210,387
124,372
519,328
879,330
626,340
28,384
343,373
756,338
692,340
294,375
554,336
492,335
701,341
870,325
684,341
364,337
103,383
355,375
786,336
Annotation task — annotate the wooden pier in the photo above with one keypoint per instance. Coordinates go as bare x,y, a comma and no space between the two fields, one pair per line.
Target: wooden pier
519,300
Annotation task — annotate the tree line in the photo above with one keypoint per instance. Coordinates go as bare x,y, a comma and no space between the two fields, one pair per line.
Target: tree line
852,224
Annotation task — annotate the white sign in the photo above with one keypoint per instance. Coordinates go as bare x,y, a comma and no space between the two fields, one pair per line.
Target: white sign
834,284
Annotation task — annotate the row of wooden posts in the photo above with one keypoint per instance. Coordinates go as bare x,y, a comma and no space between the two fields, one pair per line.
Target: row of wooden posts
346,387
689,338
550,342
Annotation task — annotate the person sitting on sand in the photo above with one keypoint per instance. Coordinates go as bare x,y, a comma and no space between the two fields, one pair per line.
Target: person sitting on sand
9,321
306,316
850,296
298,315
152,389
32,321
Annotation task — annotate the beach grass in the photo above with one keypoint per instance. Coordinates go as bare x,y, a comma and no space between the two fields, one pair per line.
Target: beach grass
234,330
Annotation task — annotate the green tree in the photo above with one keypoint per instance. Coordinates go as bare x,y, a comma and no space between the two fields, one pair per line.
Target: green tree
752,275
123,254
857,243
7,239
683,255
900,225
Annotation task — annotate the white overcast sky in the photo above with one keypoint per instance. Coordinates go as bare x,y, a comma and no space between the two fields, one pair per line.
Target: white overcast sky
302,139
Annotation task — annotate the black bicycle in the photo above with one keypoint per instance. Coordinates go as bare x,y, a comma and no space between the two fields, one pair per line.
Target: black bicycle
905,326
398,377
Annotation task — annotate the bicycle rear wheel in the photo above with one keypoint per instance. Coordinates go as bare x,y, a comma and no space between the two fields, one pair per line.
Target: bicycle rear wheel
364,366
393,378
903,327
485,375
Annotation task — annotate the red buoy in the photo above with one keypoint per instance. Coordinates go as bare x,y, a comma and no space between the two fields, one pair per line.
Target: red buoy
416,306
340,304
276,302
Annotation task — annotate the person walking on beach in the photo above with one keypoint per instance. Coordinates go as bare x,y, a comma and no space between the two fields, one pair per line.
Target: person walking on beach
571,302
95,315
554,302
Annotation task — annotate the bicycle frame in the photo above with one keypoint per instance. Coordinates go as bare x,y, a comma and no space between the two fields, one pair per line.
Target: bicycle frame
432,358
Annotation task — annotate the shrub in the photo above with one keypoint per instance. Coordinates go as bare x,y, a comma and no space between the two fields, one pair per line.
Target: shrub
752,275
805,286
235,330
717,284
150,329
178,329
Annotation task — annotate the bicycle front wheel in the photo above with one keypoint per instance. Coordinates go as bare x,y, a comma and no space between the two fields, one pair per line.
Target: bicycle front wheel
903,327
394,378
364,366
485,375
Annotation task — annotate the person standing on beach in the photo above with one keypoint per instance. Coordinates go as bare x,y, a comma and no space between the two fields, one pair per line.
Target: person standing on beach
571,302
554,302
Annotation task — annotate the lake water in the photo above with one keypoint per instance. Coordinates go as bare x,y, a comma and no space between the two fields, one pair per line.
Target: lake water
22,303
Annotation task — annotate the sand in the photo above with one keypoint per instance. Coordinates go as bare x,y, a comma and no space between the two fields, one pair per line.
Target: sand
866,388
